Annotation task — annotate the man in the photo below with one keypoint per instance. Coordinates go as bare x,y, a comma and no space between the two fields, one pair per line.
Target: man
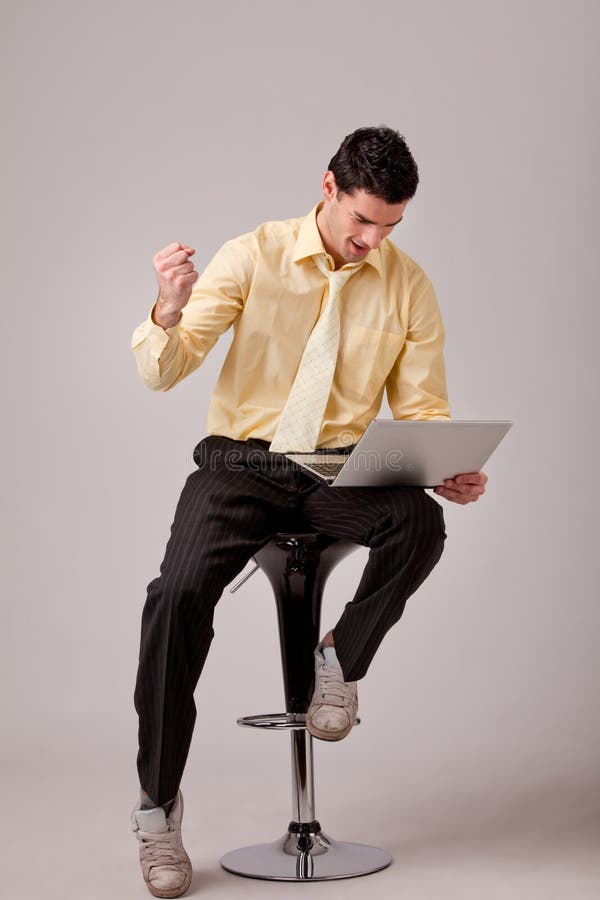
327,314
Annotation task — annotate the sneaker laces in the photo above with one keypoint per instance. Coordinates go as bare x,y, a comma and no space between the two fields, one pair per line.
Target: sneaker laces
161,849
333,690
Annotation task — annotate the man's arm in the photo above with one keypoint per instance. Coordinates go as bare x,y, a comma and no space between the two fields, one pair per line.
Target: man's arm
416,387
191,310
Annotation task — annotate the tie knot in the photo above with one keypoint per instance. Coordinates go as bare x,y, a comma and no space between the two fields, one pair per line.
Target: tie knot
338,277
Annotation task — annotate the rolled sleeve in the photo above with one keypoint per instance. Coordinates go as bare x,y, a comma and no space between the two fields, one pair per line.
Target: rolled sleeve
154,347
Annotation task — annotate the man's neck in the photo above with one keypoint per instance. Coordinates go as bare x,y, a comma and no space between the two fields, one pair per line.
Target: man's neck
323,231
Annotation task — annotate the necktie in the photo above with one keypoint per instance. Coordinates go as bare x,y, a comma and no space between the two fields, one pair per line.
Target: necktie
302,416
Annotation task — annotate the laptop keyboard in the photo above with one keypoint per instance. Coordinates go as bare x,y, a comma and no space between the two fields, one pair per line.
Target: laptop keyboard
326,470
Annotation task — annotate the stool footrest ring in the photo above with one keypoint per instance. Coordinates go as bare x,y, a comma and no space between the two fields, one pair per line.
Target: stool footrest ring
278,721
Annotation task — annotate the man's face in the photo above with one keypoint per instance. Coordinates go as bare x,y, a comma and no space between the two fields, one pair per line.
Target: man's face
352,224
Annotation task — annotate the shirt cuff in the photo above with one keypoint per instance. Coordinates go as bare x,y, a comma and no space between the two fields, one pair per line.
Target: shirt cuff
156,337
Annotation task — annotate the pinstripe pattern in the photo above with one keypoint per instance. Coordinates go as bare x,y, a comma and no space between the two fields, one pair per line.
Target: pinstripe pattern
404,529
228,509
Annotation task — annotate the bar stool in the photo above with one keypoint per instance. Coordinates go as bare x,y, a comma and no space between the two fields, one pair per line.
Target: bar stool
297,565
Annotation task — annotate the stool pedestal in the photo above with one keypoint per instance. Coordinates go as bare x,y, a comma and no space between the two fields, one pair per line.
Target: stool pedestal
298,566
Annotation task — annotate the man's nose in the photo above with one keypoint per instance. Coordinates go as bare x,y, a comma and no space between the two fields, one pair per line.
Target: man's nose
373,237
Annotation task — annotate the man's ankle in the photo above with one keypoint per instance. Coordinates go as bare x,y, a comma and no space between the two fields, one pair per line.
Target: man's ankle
148,802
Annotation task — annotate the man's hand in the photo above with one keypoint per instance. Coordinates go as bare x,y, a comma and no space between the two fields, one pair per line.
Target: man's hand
463,488
176,278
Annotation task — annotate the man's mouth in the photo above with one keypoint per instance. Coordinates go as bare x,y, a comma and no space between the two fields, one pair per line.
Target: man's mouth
357,247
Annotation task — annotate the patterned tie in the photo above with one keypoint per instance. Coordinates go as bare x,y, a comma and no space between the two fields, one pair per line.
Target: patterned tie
302,416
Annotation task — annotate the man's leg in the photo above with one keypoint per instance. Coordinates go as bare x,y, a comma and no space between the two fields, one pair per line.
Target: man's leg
226,512
404,530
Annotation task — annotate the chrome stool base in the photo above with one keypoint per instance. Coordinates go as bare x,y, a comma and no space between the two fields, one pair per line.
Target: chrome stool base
306,854
297,566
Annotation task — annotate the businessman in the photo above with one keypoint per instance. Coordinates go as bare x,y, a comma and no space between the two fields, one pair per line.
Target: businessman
327,314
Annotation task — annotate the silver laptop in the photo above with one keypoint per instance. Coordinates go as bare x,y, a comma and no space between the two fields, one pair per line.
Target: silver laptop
418,454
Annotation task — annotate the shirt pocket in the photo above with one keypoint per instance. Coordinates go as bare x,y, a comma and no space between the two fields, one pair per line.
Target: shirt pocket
366,359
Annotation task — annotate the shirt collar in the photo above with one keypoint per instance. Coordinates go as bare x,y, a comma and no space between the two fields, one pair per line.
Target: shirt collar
309,242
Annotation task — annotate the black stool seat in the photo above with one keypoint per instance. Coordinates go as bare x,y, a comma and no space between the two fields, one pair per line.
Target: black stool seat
297,566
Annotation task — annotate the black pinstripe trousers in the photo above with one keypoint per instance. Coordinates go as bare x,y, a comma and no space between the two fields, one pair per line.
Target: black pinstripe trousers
236,499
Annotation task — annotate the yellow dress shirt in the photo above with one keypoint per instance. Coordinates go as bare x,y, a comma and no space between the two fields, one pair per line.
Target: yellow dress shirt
268,286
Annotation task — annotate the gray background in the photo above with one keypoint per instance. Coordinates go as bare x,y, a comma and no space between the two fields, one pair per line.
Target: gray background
129,125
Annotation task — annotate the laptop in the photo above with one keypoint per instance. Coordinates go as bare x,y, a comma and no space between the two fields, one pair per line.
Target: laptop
413,453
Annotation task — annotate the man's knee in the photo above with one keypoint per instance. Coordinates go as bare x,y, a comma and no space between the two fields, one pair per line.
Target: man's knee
414,518
429,524
176,593
427,532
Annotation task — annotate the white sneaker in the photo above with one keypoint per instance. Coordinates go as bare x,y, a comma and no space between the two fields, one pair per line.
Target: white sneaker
166,867
334,705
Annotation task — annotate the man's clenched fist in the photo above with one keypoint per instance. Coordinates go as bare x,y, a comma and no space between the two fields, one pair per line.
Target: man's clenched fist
176,277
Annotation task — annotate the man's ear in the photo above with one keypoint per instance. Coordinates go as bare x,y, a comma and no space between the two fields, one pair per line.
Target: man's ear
330,190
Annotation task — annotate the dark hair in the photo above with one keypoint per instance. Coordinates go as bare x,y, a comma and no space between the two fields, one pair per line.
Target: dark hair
378,161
